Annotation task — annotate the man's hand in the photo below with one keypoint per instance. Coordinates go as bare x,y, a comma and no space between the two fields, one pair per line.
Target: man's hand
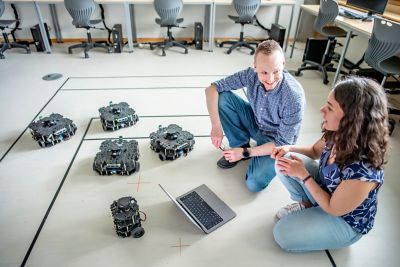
234,154
216,136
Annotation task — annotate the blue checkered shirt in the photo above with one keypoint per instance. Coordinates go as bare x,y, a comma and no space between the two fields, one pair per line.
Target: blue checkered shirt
278,112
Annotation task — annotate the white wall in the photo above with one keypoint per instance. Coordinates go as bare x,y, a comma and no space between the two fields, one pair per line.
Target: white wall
145,25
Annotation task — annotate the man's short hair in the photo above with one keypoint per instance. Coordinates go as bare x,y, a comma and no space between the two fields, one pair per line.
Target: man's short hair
267,47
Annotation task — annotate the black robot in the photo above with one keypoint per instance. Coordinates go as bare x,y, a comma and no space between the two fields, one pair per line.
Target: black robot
116,116
117,157
127,221
51,130
171,142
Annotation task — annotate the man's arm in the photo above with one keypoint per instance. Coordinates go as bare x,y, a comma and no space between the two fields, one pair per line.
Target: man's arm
212,96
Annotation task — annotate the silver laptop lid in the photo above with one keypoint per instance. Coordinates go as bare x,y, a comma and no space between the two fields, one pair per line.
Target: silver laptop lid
187,215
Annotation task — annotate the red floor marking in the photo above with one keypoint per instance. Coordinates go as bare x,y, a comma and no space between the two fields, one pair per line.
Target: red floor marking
138,184
180,246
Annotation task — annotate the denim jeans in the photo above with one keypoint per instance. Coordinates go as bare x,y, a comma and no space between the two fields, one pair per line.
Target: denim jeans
311,228
239,124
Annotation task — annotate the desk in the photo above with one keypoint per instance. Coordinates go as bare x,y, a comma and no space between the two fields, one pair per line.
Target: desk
277,3
350,25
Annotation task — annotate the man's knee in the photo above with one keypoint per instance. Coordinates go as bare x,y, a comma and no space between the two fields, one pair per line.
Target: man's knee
223,99
257,185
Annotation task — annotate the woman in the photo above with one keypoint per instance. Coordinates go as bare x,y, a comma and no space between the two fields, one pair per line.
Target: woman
337,198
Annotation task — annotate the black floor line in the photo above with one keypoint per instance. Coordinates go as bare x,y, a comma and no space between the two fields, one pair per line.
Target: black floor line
54,198
147,76
13,144
136,88
330,257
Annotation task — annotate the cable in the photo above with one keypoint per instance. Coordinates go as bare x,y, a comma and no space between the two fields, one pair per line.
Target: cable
16,24
262,26
104,23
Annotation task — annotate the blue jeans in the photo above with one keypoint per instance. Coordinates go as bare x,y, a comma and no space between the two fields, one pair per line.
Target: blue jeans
239,124
311,228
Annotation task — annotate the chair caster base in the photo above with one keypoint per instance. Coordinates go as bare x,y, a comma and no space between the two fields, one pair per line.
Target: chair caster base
86,55
325,81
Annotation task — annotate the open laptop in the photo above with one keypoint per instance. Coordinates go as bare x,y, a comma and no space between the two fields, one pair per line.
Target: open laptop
203,208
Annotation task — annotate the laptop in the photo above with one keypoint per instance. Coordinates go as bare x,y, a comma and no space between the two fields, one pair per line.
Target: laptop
203,208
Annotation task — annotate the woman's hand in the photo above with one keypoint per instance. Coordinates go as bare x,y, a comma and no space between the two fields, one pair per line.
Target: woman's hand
292,167
234,154
280,151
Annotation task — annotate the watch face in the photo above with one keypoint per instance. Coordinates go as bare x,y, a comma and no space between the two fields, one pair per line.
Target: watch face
246,153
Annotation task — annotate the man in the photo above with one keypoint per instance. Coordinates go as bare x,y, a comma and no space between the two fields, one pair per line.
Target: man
271,117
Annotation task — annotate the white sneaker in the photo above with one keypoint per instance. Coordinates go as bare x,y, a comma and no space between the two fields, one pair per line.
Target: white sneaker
289,209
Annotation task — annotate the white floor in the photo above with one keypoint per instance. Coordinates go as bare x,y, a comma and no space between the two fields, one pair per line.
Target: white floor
55,194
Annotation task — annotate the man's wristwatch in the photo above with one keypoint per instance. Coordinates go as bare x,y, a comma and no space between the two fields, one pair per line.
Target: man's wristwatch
245,153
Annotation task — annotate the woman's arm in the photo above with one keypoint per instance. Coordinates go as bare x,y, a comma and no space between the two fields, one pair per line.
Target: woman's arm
346,198
314,151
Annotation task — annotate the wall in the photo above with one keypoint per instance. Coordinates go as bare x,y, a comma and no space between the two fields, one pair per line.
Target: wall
145,25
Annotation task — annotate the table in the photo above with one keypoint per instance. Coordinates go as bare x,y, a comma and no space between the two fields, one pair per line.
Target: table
350,25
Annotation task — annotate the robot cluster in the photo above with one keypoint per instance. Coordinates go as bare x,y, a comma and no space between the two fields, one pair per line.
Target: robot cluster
118,156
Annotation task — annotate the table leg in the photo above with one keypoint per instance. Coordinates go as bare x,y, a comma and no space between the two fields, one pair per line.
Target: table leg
211,28
342,55
278,12
128,26
42,29
290,27
296,32
56,24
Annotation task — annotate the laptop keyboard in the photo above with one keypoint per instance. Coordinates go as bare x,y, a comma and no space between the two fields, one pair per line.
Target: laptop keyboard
201,210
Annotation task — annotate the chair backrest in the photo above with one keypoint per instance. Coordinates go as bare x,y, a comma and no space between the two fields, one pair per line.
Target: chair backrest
80,11
168,10
383,44
2,7
246,9
328,11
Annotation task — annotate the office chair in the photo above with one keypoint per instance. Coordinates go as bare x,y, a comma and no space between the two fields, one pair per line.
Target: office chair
168,10
382,53
246,10
81,11
7,44
328,11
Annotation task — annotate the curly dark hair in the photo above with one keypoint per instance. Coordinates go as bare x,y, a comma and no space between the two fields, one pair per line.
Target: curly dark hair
363,132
